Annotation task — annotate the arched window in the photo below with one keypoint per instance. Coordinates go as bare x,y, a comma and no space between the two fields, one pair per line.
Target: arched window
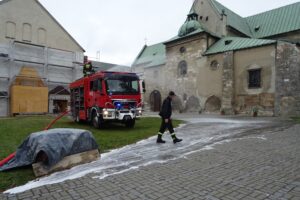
42,36
10,30
182,68
27,32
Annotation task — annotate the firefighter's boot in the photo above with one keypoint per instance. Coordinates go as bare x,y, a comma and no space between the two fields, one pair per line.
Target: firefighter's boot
175,139
159,139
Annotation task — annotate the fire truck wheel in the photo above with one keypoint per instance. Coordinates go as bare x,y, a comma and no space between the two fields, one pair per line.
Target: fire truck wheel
130,123
95,120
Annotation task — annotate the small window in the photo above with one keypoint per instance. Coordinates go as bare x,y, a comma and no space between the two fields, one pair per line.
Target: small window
206,18
227,42
201,17
254,78
96,85
3,94
182,68
214,65
191,29
182,50
5,55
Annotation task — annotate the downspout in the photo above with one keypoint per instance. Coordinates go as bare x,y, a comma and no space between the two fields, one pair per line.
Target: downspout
276,103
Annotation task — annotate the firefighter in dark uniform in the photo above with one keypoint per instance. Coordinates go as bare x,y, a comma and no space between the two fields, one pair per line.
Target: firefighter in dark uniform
88,68
166,121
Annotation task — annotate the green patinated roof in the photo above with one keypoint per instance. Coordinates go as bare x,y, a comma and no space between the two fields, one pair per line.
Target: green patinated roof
234,20
273,22
189,27
277,21
153,55
236,44
103,66
199,30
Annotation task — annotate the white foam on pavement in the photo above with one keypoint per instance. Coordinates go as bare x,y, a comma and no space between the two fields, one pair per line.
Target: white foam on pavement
198,135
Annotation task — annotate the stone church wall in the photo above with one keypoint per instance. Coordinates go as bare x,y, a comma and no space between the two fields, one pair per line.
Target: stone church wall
287,80
191,88
155,81
228,83
209,82
262,98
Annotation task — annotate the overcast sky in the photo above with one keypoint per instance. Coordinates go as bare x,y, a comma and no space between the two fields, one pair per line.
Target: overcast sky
118,29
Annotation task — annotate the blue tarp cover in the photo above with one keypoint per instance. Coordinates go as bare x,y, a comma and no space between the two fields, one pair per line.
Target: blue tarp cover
55,143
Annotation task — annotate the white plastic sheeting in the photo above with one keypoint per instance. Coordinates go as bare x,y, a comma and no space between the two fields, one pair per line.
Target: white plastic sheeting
198,134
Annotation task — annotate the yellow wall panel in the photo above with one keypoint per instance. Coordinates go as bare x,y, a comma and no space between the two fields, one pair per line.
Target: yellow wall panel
27,99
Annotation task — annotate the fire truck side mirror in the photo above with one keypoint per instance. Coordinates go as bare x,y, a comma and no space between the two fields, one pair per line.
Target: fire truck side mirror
144,86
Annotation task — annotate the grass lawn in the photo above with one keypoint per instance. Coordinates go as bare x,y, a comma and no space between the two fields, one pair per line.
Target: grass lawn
297,119
14,130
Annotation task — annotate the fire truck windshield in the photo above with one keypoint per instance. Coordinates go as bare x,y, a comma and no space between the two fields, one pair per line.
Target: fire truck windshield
122,85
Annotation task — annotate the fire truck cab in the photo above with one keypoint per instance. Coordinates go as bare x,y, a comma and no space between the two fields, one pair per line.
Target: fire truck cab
106,96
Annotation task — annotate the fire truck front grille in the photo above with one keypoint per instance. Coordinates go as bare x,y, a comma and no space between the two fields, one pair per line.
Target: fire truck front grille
122,111
124,104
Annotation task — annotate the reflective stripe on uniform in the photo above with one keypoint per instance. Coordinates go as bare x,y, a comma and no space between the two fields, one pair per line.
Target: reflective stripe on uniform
173,136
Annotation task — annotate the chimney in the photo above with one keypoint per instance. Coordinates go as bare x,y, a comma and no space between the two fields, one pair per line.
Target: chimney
224,19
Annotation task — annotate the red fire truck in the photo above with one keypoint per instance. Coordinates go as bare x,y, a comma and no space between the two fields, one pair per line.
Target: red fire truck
106,96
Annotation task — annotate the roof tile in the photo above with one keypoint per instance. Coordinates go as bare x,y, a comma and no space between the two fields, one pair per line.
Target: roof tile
276,21
236,44
153,55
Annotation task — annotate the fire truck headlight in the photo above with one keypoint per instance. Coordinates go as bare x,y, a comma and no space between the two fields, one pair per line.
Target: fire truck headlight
140,112
105,112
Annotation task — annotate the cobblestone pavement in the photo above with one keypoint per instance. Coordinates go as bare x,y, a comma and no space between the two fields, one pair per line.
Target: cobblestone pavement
258,163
